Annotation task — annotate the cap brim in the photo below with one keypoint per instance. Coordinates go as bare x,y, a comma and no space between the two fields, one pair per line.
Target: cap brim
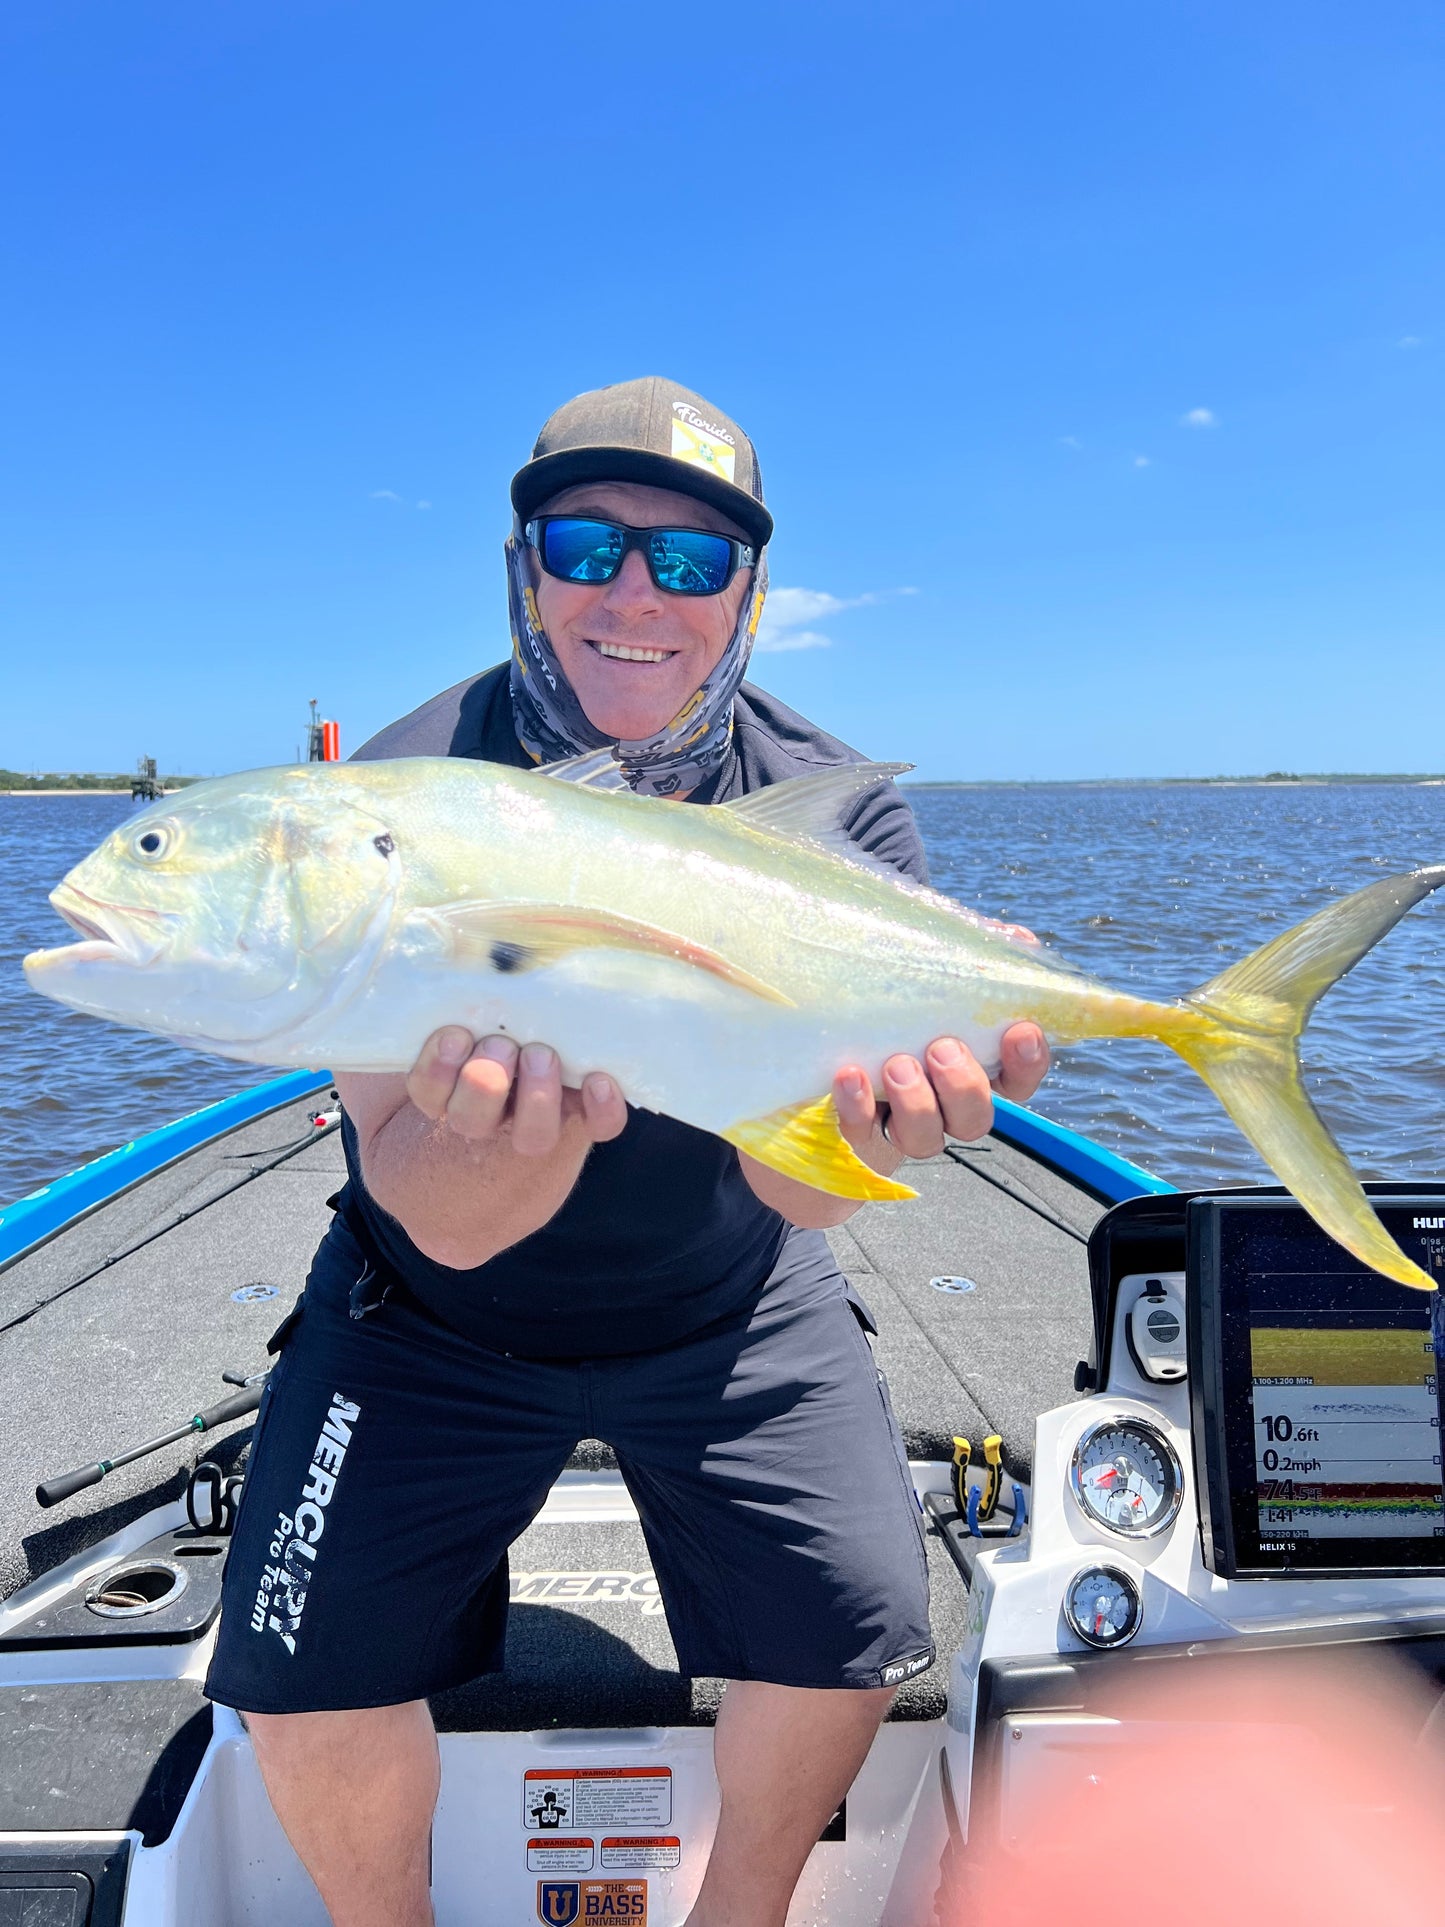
548,475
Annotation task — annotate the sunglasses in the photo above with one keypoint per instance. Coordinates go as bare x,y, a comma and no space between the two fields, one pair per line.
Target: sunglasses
681,561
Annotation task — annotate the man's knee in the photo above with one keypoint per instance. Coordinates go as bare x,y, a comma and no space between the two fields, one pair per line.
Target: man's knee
392,1743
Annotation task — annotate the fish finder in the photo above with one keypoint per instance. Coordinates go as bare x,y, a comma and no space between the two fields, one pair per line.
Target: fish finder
1316,1390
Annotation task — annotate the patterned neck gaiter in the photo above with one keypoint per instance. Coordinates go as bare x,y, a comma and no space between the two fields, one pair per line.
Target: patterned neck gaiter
549,719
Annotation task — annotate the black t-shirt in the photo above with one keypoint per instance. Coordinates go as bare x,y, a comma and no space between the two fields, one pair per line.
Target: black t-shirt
662,1234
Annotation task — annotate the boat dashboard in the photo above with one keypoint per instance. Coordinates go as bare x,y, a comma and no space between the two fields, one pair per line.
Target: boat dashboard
1262,1439
1254,1477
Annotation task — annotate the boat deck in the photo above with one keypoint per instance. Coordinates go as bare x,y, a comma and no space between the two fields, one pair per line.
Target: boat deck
120,1327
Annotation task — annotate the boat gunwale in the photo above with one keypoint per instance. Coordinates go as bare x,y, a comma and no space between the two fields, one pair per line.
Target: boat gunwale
41,1215
1073,1156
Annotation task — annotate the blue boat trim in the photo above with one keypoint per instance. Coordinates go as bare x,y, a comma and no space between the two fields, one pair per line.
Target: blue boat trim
33,1219
1110,1177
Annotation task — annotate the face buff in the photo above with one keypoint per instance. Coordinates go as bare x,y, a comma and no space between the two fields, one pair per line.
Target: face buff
550,720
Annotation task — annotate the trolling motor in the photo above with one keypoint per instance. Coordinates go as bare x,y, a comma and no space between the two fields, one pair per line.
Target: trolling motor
51,1491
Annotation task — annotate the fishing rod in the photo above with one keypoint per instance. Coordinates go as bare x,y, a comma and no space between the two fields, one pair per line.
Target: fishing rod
51,1491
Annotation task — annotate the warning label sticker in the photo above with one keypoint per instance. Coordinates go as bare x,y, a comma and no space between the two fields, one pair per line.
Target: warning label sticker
560,1902
634,1851
632,1798
548,1854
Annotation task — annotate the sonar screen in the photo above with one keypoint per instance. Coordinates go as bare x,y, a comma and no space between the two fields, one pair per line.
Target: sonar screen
1317,1392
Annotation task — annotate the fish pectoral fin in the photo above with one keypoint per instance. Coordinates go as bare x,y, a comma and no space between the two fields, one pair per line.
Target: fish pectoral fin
804,1142
525,936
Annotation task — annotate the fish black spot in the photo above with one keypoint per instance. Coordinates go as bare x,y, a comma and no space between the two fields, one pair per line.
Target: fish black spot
386,843
509,956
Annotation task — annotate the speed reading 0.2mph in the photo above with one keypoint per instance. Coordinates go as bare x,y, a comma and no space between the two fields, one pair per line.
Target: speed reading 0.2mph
1126,1477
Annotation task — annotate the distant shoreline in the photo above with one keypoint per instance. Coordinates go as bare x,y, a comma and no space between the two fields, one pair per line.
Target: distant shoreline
119,789
1171,782
1420,781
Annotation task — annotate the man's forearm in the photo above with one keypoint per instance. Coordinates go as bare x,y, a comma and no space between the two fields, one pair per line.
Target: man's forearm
799,1203
461,1202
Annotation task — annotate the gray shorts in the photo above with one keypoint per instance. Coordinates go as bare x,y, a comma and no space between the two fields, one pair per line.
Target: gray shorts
395,1461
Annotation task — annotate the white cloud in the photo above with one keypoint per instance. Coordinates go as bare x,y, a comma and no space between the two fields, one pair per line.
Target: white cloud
1141,461
1070,441
1199,418
390,495
775,644
788,612
1410,341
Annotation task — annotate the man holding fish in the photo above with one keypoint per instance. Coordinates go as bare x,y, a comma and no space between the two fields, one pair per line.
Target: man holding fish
516,1264
521,1259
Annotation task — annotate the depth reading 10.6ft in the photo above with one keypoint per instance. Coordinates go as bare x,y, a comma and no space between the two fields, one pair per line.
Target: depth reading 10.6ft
1279,1429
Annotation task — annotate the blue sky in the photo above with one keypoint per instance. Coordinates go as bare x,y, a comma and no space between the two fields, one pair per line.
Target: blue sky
1093,353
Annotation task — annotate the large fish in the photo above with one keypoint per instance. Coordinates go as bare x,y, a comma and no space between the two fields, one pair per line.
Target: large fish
721,963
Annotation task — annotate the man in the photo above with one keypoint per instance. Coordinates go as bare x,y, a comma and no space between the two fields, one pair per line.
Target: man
515,1265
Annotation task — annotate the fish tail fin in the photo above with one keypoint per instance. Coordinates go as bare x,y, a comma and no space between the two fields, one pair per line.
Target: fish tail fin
1243,1036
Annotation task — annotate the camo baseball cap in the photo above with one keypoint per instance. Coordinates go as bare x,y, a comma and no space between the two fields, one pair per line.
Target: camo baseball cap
649,431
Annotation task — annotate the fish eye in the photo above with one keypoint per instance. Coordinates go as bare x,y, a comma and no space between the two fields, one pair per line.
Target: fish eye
153,843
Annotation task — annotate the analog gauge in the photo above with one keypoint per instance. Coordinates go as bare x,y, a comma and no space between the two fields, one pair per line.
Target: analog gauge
1102,1606
1126,1476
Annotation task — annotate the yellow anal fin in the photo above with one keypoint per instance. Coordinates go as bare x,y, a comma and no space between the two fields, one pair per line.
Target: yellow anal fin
525,936
804,1142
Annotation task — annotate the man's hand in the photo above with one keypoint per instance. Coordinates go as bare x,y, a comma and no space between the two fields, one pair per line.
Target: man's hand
479,1145
944,1095
492,1089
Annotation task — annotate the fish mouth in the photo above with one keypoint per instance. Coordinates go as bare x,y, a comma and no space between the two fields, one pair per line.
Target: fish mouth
113,932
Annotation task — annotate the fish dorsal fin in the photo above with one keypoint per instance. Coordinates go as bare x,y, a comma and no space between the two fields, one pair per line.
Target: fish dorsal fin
808,808
811,805
528,936
594,769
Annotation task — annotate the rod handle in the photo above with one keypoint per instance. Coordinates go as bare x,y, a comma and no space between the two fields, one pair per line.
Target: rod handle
52,1491
233,1407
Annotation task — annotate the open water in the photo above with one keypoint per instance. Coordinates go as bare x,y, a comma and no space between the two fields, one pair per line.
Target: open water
1151,887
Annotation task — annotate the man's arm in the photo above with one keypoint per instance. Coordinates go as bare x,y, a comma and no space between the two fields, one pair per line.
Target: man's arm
945,1095
476,1147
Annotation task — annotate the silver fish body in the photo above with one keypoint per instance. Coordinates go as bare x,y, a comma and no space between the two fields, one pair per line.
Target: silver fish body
721,963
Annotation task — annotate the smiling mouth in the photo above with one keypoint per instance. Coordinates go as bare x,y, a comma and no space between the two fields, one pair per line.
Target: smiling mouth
624,652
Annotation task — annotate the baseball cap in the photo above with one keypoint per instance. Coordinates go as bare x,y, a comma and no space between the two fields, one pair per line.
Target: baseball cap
652,431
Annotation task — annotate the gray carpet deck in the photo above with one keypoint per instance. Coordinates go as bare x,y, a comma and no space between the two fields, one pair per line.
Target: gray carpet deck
120,1327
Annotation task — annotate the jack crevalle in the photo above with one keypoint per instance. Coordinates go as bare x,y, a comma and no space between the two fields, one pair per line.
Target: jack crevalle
720,962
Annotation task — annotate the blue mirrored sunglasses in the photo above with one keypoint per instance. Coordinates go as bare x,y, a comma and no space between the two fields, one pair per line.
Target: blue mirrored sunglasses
681,561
